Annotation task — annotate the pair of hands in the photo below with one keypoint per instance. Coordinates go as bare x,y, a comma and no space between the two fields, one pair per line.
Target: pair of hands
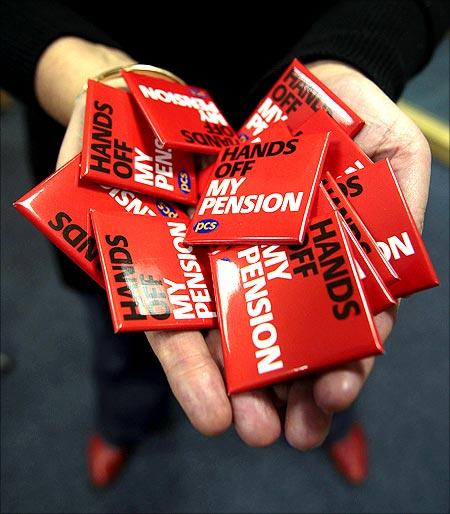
301,408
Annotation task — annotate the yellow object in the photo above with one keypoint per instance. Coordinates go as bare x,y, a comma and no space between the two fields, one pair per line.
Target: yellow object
5,100
434,130
142,68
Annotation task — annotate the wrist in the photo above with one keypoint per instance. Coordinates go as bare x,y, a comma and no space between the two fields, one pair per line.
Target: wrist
64,68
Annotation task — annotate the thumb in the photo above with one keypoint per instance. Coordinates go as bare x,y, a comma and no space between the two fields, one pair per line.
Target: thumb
73,138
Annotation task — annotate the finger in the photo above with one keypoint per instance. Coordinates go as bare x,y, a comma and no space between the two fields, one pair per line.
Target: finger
281,392
215,348
255,417
194,379
73,138
402,142
306,425
387,133
412,166
337,389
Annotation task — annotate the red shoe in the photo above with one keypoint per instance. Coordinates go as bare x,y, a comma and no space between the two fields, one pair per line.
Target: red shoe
105,461
350,455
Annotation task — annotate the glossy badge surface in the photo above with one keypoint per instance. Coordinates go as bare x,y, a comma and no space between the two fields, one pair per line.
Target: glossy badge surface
120,149
338,193
378,296
294,98
286,311
382,207
260,192
153,280
183,117
343,155
59,208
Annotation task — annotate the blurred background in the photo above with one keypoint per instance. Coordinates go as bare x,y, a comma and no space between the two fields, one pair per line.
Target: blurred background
47,395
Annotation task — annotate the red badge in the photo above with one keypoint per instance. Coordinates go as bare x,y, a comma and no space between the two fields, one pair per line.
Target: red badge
120,150
183,117
203,178
277,131
378,296
294,98
154,281
287,311
260,192
353,220
59,207
343,155
382,207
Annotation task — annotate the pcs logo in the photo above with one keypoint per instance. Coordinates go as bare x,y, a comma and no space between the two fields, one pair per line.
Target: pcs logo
184,182
205,226
243,138
166,209
199,93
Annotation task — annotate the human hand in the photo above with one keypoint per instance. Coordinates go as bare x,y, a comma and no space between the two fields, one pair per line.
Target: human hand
61,72
302,408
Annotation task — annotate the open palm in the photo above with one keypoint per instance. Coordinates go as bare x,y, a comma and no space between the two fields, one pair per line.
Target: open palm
302,408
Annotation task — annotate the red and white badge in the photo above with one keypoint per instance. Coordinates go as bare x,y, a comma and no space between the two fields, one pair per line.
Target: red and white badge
378,296
260,192
59,208
294,98
287,311
381,205
338,193
120,149
343,155
183,117
278,130
203,178
153,280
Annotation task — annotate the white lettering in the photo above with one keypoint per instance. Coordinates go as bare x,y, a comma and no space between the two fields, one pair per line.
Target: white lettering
246,204
197,297
259,308
396,247
268,359
273,258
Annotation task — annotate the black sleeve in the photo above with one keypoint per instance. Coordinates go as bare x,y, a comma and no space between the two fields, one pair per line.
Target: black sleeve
387,40
27,28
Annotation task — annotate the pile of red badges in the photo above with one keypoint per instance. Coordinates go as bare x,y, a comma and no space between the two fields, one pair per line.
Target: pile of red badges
297,240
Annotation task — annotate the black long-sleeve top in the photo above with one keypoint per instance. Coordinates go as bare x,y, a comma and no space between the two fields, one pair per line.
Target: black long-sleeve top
236,55
230,51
